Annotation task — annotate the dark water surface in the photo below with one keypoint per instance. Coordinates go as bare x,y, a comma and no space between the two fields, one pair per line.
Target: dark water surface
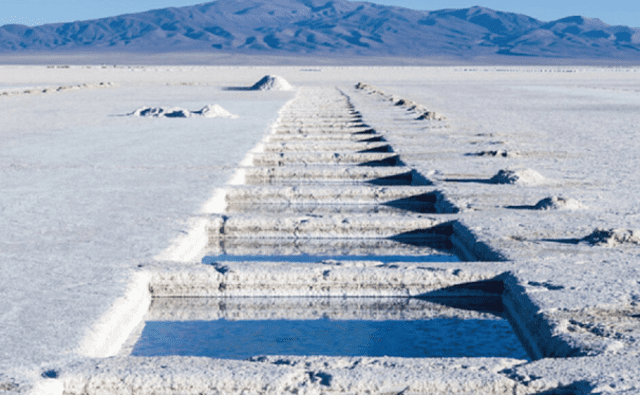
319,258
440,337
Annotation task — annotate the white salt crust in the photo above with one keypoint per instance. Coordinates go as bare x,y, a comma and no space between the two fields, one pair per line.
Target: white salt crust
208,111
571,272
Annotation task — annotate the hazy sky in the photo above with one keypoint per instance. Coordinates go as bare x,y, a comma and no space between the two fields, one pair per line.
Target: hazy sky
35,12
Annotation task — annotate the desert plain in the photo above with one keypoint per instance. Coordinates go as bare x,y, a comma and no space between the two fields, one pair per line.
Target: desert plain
534,172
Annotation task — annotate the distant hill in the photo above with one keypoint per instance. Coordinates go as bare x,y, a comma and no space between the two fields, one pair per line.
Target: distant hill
329,28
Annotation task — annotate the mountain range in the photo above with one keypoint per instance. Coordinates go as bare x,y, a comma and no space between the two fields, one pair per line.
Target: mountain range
329,28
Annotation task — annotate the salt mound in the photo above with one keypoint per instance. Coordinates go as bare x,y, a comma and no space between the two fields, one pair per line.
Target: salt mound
558,203
34,91
423,113
613,237
409,105
209,111
406,103
502,153
519,176
161,112
214,111
393,99
365,86
431,116
420,109
272,83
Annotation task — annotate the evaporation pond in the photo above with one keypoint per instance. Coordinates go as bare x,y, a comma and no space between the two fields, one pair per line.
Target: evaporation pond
234,329
319,258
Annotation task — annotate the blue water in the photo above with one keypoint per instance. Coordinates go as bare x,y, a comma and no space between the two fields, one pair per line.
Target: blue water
441,337
318,258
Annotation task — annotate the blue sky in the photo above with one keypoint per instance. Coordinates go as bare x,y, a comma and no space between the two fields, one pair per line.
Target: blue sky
35,12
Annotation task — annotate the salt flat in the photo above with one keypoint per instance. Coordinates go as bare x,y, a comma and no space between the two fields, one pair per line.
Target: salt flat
79,180
93,202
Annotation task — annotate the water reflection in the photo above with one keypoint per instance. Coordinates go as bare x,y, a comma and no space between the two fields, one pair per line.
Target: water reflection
239,328
319,258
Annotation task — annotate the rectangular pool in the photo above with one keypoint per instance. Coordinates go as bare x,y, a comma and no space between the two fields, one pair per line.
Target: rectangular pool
239,328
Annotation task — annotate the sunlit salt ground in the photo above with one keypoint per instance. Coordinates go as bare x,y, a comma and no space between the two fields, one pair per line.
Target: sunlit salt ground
392,328
90,199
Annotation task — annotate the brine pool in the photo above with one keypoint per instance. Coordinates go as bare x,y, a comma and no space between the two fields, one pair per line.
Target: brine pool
239,328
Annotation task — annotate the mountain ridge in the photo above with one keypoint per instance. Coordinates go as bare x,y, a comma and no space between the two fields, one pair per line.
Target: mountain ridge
329,28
